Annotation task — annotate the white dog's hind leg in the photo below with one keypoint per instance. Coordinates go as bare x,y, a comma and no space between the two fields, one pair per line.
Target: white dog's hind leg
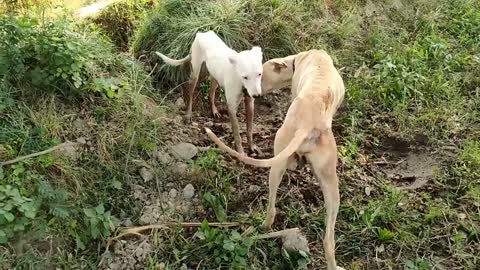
211,97
197,62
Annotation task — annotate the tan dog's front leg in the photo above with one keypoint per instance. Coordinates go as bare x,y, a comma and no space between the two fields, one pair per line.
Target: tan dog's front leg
236,130
249,109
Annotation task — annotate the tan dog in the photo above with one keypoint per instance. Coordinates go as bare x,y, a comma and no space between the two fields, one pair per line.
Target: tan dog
317,92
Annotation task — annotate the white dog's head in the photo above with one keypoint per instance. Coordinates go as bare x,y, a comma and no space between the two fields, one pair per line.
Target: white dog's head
248,65
277,73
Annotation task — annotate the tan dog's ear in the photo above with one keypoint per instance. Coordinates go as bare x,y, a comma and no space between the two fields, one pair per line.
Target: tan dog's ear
278,64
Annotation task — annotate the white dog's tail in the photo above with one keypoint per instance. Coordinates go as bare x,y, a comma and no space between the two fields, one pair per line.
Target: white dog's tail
292,147
174,62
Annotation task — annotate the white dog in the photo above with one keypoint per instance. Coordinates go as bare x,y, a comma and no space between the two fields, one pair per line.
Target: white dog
230,70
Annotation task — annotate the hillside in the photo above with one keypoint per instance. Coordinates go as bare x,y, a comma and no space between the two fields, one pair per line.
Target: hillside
408,137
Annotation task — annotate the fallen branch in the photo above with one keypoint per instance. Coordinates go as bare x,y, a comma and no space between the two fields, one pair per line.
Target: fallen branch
282,233
44,152
139,229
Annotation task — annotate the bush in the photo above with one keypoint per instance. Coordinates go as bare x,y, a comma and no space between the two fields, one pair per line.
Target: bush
118,21
59,57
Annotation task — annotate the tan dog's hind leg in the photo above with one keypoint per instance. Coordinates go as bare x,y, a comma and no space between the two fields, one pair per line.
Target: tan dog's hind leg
275,176
323,162
213,88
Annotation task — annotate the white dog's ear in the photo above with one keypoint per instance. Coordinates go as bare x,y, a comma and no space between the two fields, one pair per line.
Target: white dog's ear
232,59
257,50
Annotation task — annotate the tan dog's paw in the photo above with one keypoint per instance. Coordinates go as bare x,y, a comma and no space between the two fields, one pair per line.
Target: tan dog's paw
340,268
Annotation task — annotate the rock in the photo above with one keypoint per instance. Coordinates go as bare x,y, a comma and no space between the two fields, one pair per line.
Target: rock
188,192
183,267
185,151
295,242
254,189
146,174
180,168
173,193
163,157
79,124
179,103
127,222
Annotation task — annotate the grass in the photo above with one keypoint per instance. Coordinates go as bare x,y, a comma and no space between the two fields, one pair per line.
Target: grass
410,69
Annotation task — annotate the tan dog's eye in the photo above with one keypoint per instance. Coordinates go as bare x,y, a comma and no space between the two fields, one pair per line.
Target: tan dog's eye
245,77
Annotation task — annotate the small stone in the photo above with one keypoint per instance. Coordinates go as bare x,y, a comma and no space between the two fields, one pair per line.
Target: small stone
127,222
188,192
183,267
253,188
173,193
146,174
180,168
179,103
185,151
79,124
368,190
295,242
163,157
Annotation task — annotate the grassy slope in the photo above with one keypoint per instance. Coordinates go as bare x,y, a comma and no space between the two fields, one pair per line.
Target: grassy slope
410,72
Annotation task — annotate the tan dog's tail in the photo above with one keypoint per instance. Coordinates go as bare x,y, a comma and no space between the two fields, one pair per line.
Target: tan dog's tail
174,62
282,156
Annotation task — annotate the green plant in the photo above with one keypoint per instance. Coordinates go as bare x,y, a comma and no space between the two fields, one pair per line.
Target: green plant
57,57
225,247
17,212
98,221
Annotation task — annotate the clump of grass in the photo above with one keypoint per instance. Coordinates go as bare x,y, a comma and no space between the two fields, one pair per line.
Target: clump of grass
119,20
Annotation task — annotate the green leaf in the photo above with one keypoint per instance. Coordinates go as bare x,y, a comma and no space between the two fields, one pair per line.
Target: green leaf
9,216
100,209
3,237
89,212
80,244
228,245
117,184
200,235
110,93
18,227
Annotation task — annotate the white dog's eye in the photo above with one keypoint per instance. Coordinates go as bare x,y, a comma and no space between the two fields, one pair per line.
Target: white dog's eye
245,77
259,74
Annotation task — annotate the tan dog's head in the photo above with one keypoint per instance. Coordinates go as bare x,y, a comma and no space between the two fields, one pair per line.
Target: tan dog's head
277,74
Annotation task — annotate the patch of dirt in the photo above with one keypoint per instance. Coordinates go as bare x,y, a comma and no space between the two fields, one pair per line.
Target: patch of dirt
413,171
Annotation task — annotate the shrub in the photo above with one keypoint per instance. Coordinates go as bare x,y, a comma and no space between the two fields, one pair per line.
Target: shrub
59,57
118,21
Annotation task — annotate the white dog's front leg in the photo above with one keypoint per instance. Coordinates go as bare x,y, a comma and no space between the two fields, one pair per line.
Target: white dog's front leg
233,100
